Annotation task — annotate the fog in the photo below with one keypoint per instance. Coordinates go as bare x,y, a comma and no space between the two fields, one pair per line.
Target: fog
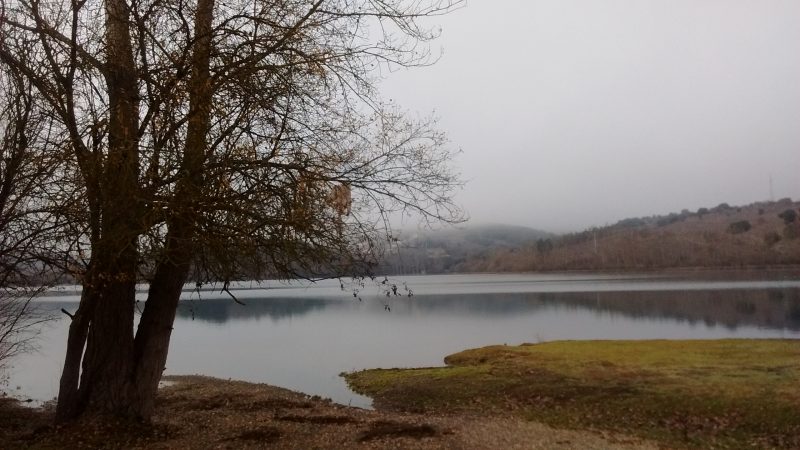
579,113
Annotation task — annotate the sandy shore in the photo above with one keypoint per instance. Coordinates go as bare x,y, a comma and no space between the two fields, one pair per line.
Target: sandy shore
196,412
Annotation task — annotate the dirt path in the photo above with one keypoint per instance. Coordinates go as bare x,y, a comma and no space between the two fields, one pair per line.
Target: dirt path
207,413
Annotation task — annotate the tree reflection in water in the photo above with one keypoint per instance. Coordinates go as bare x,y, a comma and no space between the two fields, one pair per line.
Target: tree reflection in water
762,308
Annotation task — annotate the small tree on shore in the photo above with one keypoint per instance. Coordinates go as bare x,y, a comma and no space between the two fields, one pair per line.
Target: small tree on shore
20,323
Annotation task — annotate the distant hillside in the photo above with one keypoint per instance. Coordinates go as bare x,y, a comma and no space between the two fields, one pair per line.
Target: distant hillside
759,234
445,251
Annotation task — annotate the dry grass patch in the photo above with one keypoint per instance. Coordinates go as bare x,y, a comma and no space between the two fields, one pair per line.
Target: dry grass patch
206,413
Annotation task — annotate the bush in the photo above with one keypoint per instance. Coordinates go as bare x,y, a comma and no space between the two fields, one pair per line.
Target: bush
772,238
544,245
722,207
741,226
631,223
19,323
788,216
667,220
791,231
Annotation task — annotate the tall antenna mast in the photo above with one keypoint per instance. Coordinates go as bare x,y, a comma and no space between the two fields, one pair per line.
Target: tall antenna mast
771,192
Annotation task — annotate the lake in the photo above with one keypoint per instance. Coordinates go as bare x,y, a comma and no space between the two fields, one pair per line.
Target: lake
301,336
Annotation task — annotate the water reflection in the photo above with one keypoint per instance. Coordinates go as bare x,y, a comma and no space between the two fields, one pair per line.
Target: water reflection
764,308
221,310
303,343
302,338
769,308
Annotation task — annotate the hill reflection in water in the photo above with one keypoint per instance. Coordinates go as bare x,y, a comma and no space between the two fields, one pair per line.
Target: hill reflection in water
222,311
762,308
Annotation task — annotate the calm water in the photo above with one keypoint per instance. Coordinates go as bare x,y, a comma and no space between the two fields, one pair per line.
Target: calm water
301,337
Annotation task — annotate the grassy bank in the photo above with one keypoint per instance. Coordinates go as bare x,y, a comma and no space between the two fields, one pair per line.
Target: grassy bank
722,394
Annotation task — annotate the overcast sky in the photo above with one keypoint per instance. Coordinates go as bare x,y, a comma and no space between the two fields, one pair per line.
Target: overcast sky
574,113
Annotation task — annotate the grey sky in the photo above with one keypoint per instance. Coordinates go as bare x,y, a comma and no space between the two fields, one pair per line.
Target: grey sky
573,113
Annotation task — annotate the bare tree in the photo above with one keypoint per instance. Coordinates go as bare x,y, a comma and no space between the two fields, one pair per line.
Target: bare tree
214,141
19,323
26,217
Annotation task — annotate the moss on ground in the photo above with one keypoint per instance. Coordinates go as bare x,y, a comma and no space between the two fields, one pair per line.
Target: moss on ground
715,393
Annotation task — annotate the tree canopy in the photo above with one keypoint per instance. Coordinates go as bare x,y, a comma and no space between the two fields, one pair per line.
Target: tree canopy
213,140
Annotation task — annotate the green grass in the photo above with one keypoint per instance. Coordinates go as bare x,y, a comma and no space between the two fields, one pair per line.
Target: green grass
721,394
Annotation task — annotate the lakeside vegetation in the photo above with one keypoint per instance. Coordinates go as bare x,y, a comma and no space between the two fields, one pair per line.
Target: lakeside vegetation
695,394
761,234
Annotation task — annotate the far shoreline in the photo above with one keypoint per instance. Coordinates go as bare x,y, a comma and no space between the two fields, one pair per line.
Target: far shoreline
277,284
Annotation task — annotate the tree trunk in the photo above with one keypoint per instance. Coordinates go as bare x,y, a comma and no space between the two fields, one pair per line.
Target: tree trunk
120,374
103,325
107,363
105,317
155,327
69,403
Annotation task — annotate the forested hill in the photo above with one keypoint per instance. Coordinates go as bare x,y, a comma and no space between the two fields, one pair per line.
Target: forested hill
759,234
445,251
